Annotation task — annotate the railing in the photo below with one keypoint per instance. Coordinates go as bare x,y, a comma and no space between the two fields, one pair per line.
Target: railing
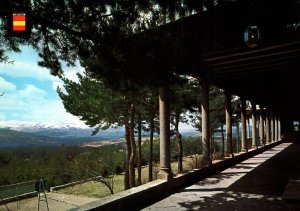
17,191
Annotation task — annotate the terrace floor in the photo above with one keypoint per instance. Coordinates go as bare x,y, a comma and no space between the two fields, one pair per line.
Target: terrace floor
258,183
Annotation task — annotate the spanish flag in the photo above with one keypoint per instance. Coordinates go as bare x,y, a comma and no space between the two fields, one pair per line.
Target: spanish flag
19,22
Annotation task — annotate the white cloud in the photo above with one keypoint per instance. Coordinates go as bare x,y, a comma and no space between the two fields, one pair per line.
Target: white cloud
32,92
56,84
25,69
6,86
29,69
32,104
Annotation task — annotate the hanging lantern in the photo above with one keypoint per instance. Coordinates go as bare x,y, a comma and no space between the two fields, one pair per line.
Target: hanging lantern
252,36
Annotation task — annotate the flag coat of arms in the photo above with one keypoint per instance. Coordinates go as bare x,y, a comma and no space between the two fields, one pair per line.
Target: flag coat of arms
19,22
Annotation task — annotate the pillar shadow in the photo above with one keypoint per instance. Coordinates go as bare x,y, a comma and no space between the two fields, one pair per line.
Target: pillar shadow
235,201
271,177
259,189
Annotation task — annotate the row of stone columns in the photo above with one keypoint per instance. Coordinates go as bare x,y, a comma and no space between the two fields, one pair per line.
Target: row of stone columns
269,126
272,128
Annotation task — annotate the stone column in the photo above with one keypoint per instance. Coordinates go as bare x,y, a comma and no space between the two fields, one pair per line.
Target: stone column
261,126
268,125
254,131
271,128
244,125
205,124
165,171
276,127
273,125
228,111
248,125
279,128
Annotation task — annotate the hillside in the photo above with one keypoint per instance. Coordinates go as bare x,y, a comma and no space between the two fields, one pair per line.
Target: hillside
13,138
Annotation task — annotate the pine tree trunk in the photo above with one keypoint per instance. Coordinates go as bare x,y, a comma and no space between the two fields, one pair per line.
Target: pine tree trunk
150,176
179,141
133,148
139,170
128,153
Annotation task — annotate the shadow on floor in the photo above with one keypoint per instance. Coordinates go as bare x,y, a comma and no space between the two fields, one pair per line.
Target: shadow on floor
236,201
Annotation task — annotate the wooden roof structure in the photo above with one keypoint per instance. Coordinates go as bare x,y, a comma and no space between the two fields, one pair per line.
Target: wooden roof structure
212,46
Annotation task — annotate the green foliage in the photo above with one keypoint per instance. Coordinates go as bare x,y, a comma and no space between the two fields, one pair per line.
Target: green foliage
93,103
56,164
98,34
191,146
145,151
103,161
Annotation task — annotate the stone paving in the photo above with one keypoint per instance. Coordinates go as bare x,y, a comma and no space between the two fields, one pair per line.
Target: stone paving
255,184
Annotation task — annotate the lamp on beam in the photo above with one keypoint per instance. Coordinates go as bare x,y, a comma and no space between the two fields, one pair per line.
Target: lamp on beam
252,36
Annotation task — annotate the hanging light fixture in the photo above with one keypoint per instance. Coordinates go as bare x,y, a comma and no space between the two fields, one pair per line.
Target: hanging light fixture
252,36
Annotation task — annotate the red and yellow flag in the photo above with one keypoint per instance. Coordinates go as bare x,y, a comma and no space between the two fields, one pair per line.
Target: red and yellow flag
19,22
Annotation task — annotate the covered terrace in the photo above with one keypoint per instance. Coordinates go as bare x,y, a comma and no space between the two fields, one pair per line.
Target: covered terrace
250,49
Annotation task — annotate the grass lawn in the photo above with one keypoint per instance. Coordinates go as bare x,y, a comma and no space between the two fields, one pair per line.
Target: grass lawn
97,189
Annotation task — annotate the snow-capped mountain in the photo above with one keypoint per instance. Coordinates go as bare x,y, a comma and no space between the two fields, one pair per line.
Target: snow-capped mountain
65,130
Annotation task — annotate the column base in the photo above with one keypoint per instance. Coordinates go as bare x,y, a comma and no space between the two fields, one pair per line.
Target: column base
228,154
244,150
165,174
206,162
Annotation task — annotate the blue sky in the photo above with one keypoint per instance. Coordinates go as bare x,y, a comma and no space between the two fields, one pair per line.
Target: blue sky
30,91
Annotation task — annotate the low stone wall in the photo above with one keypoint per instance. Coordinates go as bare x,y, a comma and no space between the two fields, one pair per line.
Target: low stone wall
132,199
19,197
144,195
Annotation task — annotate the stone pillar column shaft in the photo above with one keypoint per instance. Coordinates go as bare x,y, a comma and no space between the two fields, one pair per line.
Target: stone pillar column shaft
165,171
268,127
228,111
261,126
254,131
279,128
271,128
273,125
248,125
244,126
276,127
205,124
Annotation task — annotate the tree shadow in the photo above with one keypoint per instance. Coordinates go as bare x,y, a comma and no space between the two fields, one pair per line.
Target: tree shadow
235,201
260,188
270,177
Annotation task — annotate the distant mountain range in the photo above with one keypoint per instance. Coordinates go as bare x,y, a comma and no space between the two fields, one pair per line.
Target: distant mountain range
53,135
29,134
